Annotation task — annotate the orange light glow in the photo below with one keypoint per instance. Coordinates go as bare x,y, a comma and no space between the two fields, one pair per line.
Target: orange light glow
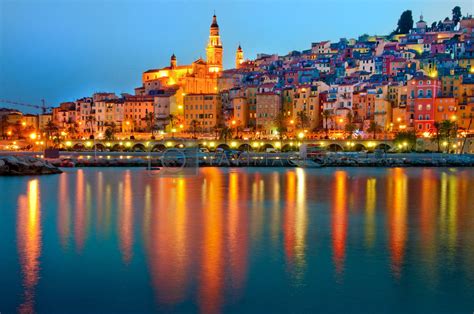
29,243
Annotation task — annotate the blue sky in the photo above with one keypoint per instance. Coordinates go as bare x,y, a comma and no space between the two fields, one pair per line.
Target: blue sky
63,50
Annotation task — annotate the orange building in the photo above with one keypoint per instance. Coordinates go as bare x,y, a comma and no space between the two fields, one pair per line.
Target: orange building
137,112
268,107
241,111
198,77
202,111
445,108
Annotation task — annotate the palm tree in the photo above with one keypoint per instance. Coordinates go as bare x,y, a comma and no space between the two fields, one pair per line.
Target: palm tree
150,122
437,126
109,133
90,120
467,132
217,129
194,125
226,133
51,129
172,119
280,124
303,119
374,128
326,115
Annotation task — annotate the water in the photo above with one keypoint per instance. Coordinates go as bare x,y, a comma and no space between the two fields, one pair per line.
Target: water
239,240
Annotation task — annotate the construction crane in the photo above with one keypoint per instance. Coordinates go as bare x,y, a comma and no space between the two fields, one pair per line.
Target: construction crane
43,107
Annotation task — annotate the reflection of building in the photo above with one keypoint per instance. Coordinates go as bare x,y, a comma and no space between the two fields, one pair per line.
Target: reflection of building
198,77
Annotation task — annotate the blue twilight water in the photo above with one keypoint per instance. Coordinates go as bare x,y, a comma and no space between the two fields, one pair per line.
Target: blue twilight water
239,240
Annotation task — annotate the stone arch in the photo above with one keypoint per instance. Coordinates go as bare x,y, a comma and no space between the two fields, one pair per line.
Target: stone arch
99,147
139,147
224,146
264,147
289,148
158,148
245,148
383,146
78,147
118,148
335,147
359,147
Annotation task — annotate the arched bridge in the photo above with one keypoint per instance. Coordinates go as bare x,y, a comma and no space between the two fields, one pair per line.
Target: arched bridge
238,144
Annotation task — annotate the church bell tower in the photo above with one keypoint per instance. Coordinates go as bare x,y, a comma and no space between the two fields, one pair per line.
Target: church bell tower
214,48
239,57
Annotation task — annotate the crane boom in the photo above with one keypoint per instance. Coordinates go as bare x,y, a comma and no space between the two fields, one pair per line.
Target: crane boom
42,106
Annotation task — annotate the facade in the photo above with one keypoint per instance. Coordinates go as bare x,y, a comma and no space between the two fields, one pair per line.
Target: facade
198,77
268,107
202,111
138,113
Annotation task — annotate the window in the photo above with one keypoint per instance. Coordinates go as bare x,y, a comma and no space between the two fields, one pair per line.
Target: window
428,107
420,107
427,117
429,94
420,93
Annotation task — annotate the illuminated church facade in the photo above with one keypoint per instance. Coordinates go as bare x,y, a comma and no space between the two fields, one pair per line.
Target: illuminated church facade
200,77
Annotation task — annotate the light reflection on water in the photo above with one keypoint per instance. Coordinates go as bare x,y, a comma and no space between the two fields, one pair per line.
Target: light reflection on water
237,239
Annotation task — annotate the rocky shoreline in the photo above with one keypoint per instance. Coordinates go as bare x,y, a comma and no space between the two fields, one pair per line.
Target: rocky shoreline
26,166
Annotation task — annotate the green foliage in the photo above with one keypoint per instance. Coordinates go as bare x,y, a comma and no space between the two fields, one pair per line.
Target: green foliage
446,131
456,15
405,23
373,128
303,119
405,139
109,133
280,124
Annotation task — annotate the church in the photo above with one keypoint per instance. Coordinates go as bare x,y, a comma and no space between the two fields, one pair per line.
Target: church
200,77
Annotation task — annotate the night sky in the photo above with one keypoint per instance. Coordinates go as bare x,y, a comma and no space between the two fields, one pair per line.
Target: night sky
63,50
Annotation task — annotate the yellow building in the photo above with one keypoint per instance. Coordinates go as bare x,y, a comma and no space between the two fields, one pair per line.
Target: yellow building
201,112
198,77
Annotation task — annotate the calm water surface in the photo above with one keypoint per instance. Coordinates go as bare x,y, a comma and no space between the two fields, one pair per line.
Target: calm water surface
253,240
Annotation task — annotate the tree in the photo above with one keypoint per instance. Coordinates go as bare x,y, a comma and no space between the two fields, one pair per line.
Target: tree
405,139
350,126
446,130
373,128
303,119
109,133
226,133
280,124
90,120
150,122
456,15
51,130
194,125
405,23
326,115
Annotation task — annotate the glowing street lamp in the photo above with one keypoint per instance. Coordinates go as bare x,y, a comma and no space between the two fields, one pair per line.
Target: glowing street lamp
33,136
301,135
